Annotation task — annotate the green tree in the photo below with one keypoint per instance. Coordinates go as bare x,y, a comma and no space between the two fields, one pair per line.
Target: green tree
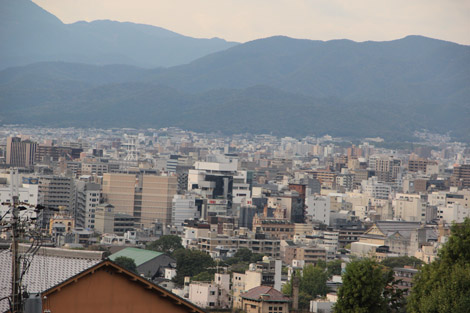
287,288
313,281
241,259
444,285
239,267
166,244
203,276
243,254
401,261
312,285
191,263
368,287
126,263
334,267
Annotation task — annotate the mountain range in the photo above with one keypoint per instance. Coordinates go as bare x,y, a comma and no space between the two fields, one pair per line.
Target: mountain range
30,34
276,85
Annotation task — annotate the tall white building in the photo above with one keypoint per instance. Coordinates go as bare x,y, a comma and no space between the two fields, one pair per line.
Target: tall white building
410,207
183,208
453,212
372,187
318,207
216,181
87,199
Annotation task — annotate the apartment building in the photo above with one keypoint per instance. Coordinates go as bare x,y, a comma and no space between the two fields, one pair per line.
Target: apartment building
146,197
20,153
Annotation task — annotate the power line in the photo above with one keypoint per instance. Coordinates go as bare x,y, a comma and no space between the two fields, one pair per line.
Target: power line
20,263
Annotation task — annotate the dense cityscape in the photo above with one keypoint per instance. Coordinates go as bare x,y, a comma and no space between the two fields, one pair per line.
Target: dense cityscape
234,156
226,222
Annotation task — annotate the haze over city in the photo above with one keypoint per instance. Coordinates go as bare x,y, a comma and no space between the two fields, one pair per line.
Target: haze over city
234,156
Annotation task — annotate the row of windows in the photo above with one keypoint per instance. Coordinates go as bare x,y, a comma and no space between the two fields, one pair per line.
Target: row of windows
278,229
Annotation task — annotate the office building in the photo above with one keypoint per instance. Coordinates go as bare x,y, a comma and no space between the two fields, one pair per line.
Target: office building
20,153
144,196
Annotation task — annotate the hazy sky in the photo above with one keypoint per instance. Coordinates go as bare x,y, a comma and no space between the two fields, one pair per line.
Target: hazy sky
244,20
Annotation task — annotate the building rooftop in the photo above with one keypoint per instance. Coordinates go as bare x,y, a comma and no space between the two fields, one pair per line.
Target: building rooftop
44,272
140,256
265,293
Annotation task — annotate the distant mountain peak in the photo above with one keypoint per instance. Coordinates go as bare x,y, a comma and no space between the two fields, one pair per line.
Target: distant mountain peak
30,34
278,84
24,11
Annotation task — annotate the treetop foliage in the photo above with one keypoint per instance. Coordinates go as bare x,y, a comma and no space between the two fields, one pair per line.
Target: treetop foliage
402,261
191,263
127,263
368,287
166,244
444,285
312,284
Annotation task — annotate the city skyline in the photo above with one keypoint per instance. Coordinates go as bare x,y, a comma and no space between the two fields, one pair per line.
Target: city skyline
147,165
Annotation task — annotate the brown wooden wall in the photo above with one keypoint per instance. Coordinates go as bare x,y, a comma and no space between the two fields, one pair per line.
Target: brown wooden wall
108,291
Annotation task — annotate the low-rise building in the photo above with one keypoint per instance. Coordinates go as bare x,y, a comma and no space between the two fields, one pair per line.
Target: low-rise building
264,299
404,277
212,295
150,264
308,254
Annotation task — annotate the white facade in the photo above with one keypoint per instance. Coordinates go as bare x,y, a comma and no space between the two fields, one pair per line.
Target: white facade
183,208
331,239
92,200
170,273
373,188
442,198
223,280
27,194
171,165
319,208
409,208
321,306
88,198
230,165
241,193
453,212
208,295
191,235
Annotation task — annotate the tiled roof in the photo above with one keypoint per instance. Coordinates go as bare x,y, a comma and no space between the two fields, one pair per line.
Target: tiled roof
44,272
268,292
393,226
108,266
140,256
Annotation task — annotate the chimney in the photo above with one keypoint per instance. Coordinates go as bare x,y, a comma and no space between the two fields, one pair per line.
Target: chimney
295,292
265,211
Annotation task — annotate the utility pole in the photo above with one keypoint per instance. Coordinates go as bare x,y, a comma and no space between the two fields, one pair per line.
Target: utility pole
16,301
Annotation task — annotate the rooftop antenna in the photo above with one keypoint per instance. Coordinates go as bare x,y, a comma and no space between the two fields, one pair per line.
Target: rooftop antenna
132,154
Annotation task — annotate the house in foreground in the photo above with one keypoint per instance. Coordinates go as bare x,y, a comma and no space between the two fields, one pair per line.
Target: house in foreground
102,287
